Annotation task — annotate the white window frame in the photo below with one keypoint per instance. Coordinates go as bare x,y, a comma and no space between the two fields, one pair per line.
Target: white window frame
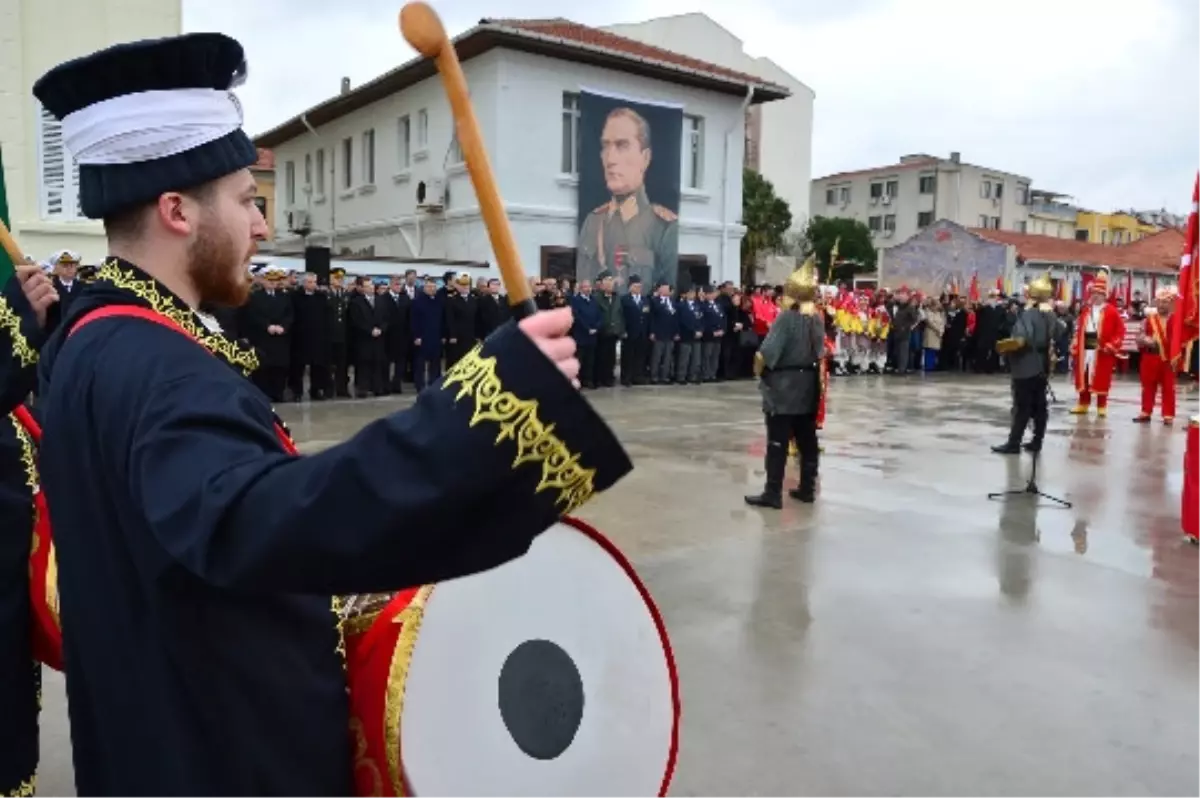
368,157
889,222
568,161
985,189
289,183
844,194
876,190
454,154
891,188
404,138
692,148
320,173
932,183
347,163
983,221
422,129
831,195
308,173
58,200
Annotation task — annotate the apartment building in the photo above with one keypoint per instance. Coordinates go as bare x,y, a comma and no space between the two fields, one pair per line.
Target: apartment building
898,201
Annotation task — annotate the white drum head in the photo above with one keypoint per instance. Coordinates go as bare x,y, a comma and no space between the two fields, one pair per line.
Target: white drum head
550,675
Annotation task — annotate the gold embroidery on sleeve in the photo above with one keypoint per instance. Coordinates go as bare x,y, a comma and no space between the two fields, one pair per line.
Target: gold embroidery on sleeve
162,302
518,421
11,322
25,789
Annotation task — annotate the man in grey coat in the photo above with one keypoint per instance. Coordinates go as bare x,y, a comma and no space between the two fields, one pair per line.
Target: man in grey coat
788,364
1028,352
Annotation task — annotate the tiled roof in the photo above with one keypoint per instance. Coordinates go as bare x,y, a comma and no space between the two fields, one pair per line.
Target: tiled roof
582,34
1155,253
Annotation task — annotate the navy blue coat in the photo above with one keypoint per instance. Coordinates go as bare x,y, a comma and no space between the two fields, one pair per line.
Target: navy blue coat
714,320
20,676
637,316
198,557
664,319
428,321
691,320
588,316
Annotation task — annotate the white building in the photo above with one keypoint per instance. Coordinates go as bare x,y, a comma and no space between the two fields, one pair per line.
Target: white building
35,35
778,135
898,201
376,170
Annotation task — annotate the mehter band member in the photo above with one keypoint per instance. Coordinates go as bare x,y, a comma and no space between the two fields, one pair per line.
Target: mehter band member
1156,369
788,364
26,299
1099,335
198,552
1028,352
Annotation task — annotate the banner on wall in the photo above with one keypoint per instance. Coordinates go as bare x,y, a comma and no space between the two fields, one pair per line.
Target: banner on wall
629,180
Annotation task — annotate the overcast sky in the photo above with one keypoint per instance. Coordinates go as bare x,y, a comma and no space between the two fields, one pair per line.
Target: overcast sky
1099,99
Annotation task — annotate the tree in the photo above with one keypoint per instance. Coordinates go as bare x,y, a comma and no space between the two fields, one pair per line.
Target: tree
766,217
856,250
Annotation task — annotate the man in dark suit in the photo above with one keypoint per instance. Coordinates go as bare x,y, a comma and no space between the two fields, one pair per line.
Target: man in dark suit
368,323
311,347
493,309
266,322
399,333
585,330
461,308
664,332
634,346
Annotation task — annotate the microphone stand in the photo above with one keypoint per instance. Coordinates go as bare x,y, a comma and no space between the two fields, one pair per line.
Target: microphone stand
1031,489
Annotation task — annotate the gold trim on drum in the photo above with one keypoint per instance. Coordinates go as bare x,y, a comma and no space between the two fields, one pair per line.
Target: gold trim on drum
518,419
32,480
393,707
361,760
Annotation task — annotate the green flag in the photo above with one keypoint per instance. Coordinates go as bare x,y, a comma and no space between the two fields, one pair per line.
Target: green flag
6,264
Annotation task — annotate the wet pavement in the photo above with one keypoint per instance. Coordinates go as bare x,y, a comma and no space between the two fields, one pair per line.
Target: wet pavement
904,635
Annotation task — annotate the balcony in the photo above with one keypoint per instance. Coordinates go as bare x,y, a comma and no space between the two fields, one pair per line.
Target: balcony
1057,210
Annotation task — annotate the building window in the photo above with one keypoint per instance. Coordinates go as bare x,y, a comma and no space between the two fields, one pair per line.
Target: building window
422,129
985,189
924,219
874,223
693,152
57,172
845,195
289,183
983,222
831,196
927,183
569,164
261,204
998,191
1022,194
1020,227
368,157
308,171
1081,235
1103,236
455,154
404,136
347,163
893,188
995,222
876,190
889,223
320,167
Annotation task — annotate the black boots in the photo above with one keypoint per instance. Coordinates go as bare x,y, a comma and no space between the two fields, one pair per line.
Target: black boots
807,490
775,462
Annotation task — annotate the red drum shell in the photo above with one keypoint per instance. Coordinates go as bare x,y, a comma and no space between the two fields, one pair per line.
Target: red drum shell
377,663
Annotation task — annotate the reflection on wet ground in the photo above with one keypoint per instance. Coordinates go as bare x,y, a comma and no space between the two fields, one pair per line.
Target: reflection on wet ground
905,635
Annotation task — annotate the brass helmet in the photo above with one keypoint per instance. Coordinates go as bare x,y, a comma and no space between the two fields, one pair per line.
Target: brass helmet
1041,288
802,286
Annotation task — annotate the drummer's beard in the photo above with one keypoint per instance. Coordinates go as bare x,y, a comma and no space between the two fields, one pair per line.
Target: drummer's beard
217,266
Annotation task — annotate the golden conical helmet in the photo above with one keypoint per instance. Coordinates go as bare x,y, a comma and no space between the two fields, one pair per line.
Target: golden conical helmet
1041,288
802,284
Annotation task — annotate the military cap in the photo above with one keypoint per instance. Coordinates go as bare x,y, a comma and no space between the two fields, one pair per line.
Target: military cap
337,271
148,117
604,274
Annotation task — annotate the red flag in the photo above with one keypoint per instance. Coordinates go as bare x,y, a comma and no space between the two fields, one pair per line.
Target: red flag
1000,284
973,291
1185,321
1128,289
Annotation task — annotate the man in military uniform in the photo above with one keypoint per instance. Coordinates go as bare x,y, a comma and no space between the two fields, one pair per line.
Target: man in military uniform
1028,353
628,233
336,317
787,364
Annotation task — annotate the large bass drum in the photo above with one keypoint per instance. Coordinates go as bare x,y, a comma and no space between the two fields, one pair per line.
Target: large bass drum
550,675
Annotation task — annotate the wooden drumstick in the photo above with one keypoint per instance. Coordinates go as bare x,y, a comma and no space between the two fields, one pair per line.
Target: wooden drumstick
424,31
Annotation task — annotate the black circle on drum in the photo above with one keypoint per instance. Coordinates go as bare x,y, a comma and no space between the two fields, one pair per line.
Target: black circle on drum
541,698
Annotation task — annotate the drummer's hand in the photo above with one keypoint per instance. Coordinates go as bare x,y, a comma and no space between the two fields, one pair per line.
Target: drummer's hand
38,289
550,330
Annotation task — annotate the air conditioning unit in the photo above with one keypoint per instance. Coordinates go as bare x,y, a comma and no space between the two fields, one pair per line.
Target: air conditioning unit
996,201
299,222
431,194
887,199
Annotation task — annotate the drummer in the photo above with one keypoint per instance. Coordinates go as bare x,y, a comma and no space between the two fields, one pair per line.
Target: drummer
200,656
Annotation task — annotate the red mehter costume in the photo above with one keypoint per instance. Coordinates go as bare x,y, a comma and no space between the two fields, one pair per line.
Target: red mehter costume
1099,336
1157,371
